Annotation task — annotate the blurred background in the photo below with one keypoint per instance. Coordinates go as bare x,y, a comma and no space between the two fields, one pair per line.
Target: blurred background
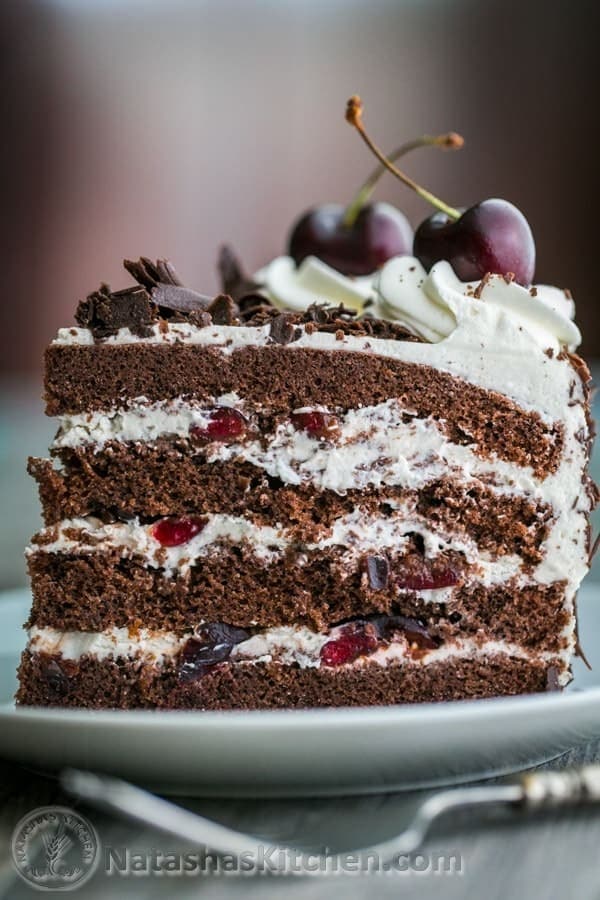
164,128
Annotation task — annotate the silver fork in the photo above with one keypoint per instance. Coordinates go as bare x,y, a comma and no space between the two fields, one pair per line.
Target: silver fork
532,791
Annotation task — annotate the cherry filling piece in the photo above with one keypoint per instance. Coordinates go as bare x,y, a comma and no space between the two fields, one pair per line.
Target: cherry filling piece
357,639
413,573
172,532
211,644
224,424
415,632
316,424
378,572
58,676
362,638
428,576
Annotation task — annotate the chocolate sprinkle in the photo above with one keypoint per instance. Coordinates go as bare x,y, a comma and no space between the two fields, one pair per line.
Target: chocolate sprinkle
283,330
223,310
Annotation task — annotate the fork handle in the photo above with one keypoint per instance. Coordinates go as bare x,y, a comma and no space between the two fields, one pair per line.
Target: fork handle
551,789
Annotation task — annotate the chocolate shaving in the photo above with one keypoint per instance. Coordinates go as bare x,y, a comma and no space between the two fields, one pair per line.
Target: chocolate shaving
223,310
283,330
150,274
165,287
323,314
234,280
160,298
251,305
378,572
104,312
179,299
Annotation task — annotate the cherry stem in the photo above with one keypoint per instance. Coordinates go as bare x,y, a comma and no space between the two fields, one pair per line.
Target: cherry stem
448,141
354,111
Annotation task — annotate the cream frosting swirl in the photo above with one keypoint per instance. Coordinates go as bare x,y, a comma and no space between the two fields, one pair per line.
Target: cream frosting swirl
432,304
313,281
428,304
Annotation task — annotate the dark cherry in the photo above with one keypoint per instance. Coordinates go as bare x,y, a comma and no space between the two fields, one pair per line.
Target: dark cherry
426,577
172,532
211,644
363,637
316,424
58,676
356,639
225,424
378,572
379,232
493,236
413,630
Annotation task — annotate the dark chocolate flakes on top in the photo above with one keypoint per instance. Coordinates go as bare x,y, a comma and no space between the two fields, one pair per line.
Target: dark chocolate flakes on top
105,311
160,296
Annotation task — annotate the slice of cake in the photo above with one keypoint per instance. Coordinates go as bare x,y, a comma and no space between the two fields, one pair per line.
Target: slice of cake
250,508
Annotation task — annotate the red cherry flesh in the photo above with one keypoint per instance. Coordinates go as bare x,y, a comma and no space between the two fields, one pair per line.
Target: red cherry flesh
224,424
172,532
316,424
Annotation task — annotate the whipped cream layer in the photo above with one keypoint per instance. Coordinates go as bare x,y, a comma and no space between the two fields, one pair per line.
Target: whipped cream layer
356,535
286,645
140,420
489,346
403,292
132,538
313,281
375,447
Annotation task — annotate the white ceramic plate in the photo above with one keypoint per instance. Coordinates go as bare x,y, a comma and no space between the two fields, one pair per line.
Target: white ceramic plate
302,752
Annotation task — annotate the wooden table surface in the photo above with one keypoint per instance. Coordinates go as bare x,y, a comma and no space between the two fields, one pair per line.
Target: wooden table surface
502,854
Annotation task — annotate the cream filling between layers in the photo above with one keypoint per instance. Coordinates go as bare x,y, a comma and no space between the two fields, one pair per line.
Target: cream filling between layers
356,534
376,445
287,645
376,448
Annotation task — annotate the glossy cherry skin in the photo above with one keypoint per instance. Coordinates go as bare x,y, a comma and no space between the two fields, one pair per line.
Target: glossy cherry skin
492,236
380,232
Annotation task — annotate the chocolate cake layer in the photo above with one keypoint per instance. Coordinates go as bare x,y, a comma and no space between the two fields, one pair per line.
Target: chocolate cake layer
150,480
94,684
99,591
82,378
